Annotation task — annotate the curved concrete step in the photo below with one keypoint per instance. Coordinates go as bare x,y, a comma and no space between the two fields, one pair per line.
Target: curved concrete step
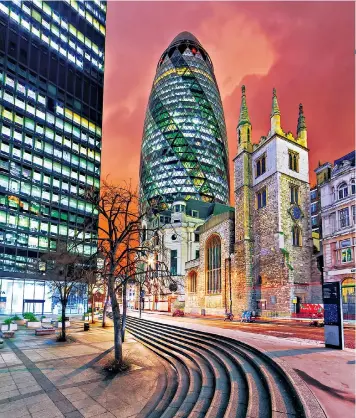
247,382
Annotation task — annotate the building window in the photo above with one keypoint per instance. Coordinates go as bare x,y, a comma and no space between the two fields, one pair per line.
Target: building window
313,194
174,262
314,208
261,198
192,282
345,251
294,194
213,264
261,166
179,208
293,160
353,213
197,254
273,300
195,214
344,220
296,236
352,186
314,220
239,136
342,190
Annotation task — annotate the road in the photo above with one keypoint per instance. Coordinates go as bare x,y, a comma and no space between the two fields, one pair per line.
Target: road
289,329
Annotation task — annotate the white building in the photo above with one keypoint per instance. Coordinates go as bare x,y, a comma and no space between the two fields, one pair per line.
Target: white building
179,243
337,200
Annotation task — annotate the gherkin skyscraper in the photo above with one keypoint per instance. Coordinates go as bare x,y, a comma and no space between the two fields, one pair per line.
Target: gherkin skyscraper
184,151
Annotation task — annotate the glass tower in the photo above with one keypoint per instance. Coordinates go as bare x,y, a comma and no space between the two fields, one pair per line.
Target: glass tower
51,102
184,147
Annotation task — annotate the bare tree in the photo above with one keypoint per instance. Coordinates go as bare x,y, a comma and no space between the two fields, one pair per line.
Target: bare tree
120,245
67,270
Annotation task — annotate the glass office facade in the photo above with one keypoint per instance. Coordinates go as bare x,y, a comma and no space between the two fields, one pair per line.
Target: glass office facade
18,296
184,146
51,102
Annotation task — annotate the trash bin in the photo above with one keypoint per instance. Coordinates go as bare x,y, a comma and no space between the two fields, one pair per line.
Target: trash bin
86,326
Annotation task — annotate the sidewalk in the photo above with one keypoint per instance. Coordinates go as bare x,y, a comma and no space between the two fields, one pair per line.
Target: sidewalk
329,374
40,378
260,320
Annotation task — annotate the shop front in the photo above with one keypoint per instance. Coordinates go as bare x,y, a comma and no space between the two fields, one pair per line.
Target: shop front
21,295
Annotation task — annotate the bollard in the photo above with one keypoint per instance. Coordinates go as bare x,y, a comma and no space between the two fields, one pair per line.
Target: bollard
86,326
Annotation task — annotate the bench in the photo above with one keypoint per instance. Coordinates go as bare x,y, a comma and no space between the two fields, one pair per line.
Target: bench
8,334
45,331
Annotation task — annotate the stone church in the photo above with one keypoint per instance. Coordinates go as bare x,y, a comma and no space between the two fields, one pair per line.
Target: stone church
258,256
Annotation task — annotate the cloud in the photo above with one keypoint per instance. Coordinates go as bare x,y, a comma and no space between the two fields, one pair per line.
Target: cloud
303,49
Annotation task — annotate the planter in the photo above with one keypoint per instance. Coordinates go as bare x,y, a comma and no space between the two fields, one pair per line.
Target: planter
13,327
4,327
59,324
21,322
33,324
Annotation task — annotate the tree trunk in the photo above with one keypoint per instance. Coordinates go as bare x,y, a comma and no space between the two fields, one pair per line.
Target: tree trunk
92,306
124,311
64,303
140,301
105,309
117,323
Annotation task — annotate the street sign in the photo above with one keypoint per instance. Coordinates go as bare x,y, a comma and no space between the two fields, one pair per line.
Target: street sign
333,319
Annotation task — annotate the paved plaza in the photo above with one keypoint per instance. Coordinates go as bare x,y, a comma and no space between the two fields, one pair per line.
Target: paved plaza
41,378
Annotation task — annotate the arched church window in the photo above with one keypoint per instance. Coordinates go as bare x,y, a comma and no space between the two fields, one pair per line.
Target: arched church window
213,264
239,136
192,282
248,134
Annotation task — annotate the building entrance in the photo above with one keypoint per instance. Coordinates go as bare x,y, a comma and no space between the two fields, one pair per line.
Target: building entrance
35,306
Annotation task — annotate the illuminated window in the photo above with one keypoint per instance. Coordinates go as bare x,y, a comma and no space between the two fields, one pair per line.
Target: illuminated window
293,160
192,282
213,264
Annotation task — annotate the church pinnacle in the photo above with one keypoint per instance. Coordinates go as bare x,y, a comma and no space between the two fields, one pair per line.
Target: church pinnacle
244,116
275,116
275,107
301,120
302,135
244,127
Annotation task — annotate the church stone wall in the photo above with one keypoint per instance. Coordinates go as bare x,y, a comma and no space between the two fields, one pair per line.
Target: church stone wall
223,226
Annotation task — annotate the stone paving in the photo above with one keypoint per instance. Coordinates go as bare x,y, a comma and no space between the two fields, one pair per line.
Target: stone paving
42,378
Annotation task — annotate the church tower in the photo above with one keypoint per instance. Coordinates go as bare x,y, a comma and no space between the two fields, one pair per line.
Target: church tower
273,243
243,280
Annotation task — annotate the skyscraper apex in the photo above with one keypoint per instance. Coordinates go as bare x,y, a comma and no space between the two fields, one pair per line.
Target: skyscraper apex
184,144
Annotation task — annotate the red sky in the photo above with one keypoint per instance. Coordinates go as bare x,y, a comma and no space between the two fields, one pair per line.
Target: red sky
304,49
